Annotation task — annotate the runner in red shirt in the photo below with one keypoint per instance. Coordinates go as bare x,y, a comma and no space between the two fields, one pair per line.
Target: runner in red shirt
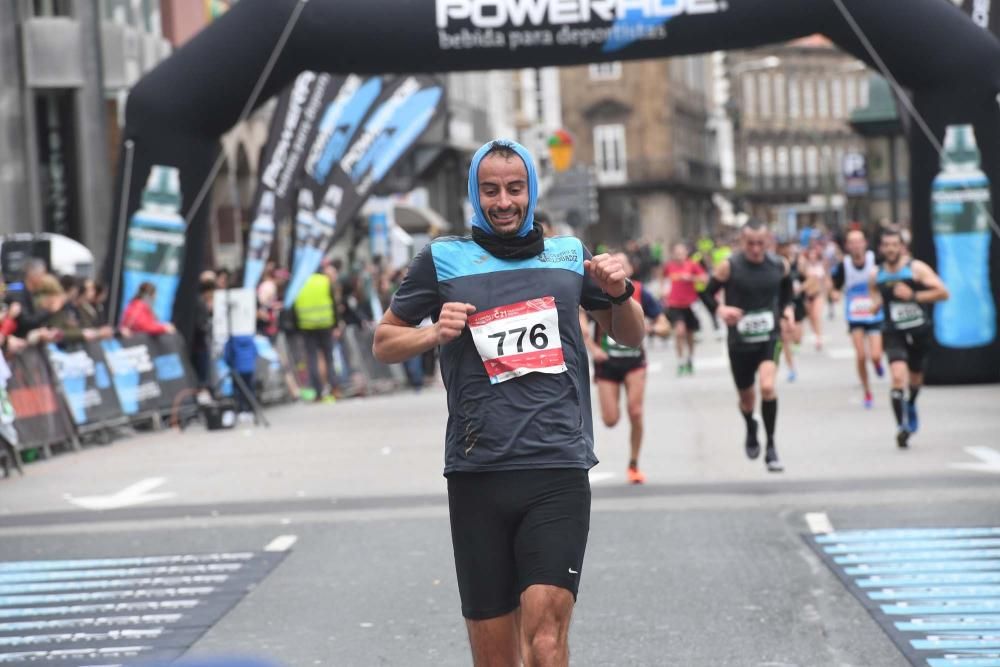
683,274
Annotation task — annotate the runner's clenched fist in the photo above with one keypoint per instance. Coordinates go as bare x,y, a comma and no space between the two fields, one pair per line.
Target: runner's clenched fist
608,272
451,323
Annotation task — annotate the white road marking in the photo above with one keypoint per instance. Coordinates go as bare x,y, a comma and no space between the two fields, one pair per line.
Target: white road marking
819,523
281,543
600,476
840,353
989,460
136,494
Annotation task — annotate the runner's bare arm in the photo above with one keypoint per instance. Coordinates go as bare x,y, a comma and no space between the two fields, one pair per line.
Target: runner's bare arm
873,290
625,322
397,340
720,276
787,294
926,276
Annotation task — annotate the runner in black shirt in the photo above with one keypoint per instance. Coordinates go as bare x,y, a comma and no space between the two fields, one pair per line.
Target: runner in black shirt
758,293
519,441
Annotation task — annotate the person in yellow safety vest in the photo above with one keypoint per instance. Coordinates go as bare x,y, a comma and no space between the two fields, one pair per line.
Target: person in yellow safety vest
703,255
315,316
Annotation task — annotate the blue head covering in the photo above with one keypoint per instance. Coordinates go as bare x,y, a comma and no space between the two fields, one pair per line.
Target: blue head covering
478,216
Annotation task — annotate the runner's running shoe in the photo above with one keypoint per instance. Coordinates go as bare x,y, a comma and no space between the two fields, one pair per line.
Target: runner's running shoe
772,462
912,421
635,476
752,445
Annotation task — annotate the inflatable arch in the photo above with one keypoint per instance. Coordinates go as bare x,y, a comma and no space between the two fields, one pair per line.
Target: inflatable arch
178,111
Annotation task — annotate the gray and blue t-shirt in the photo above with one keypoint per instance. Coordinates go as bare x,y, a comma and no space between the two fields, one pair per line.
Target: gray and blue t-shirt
517,378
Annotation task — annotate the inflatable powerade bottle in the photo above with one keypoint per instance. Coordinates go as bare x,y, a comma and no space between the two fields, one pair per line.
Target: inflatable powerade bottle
155,249
961,210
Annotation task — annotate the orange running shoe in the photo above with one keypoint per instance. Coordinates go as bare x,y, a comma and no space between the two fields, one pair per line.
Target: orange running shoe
635,476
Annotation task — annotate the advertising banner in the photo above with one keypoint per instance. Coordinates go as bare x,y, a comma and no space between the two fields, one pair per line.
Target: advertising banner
293,128
367,125
39,418
86,382
132,374
172,369
147,372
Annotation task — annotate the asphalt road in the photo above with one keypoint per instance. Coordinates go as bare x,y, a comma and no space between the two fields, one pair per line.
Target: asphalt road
710,563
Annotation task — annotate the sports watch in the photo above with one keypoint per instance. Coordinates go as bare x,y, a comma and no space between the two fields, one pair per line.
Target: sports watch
626,295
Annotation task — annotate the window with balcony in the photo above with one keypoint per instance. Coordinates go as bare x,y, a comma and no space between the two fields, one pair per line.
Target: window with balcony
837,97
609,154
753,162
852,94
798,164
780,103
767,165
605,71
782,166
52,8
749,98
812,166
822,99
794,101
764,82
808,99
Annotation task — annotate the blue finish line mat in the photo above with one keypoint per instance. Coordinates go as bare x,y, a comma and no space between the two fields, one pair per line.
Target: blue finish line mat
935,592
105,612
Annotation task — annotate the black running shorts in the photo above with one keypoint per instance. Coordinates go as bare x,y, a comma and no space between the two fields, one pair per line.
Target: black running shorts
744,360
615,370
800,308
685,315
870,328
911,348
514,529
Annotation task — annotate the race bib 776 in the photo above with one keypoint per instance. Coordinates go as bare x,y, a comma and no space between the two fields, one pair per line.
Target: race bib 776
518,339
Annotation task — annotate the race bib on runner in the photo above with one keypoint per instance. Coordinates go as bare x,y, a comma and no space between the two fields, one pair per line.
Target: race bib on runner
616,350
906,314
860,308
518,339
756,326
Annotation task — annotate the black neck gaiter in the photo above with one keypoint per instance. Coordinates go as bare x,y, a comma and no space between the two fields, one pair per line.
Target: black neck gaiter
518,247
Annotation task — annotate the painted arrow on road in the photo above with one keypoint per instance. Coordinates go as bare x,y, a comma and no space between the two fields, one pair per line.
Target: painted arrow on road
136,494
989,460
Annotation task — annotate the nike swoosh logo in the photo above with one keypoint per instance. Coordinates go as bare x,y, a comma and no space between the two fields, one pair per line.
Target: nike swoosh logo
572,571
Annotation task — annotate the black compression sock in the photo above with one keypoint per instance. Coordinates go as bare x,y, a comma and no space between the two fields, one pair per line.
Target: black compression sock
751,424
769,410
913,393
897,405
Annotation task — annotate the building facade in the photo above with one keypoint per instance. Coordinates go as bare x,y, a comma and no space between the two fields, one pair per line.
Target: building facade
645,128
791,105
65,69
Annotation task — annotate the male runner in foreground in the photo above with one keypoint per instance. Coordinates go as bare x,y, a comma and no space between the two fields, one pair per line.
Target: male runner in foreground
905,288
758,293
505,305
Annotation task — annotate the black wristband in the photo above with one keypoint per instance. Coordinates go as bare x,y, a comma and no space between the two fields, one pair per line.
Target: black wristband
629,291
